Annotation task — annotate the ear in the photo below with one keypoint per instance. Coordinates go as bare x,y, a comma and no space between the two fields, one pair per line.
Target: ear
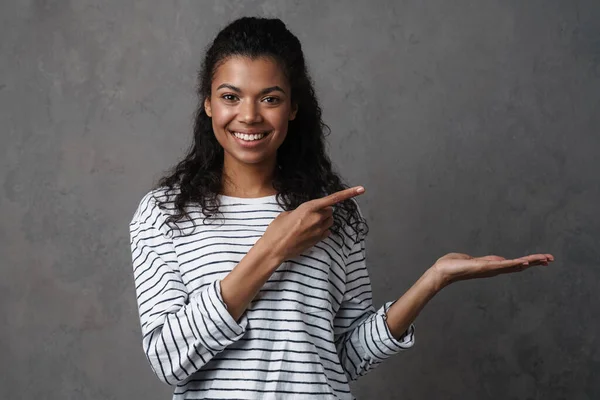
207,107
293,112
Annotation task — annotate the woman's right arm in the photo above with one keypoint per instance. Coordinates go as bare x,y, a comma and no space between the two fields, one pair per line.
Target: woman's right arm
183,332
287,236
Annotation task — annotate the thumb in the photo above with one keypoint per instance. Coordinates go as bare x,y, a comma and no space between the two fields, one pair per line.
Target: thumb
456,256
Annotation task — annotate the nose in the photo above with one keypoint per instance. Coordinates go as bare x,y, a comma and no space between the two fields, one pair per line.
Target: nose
249,113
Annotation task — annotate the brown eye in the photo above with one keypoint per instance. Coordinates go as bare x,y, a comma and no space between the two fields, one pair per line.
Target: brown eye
271,100
229,97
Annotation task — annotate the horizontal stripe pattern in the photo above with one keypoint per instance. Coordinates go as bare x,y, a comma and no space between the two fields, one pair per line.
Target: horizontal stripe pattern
310,330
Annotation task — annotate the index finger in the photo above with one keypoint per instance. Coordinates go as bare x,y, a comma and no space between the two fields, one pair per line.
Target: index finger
337,197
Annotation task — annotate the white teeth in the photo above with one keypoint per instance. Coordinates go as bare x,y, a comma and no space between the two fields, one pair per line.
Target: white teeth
247,137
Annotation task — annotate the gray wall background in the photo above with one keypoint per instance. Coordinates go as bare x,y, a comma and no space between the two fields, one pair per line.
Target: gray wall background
474,126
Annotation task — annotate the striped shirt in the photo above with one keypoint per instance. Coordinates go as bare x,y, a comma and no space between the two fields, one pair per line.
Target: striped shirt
310,330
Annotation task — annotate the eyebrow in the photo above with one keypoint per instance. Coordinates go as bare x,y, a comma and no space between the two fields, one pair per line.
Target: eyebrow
264,91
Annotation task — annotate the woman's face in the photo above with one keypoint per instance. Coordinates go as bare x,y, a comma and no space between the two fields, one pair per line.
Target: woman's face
250,106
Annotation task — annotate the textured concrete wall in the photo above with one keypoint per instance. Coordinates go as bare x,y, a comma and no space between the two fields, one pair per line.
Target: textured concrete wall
474,126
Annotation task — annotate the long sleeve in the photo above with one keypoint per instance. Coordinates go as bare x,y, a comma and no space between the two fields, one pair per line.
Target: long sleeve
362,337
181,332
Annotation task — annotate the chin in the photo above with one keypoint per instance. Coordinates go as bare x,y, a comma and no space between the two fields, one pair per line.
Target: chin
251,159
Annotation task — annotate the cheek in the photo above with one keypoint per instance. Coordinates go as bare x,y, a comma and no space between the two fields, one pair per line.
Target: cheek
221,116
280,120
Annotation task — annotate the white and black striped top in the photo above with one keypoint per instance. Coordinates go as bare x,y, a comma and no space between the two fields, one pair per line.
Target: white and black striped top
310,330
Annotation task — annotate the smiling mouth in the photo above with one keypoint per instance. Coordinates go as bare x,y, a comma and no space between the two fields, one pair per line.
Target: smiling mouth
250,137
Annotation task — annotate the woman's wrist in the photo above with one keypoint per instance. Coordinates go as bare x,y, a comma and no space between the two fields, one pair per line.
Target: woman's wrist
272,258
436,279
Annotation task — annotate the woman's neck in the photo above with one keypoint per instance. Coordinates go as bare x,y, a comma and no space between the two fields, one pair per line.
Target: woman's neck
247,180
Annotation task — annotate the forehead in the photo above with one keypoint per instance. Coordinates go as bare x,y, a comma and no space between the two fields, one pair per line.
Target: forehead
250,73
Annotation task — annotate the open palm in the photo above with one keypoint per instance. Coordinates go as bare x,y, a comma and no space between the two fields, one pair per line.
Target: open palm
457,266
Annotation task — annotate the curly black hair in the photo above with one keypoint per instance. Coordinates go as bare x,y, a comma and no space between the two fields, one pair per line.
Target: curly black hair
304,171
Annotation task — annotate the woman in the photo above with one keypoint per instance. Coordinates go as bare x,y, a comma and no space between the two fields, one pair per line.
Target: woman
249,258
